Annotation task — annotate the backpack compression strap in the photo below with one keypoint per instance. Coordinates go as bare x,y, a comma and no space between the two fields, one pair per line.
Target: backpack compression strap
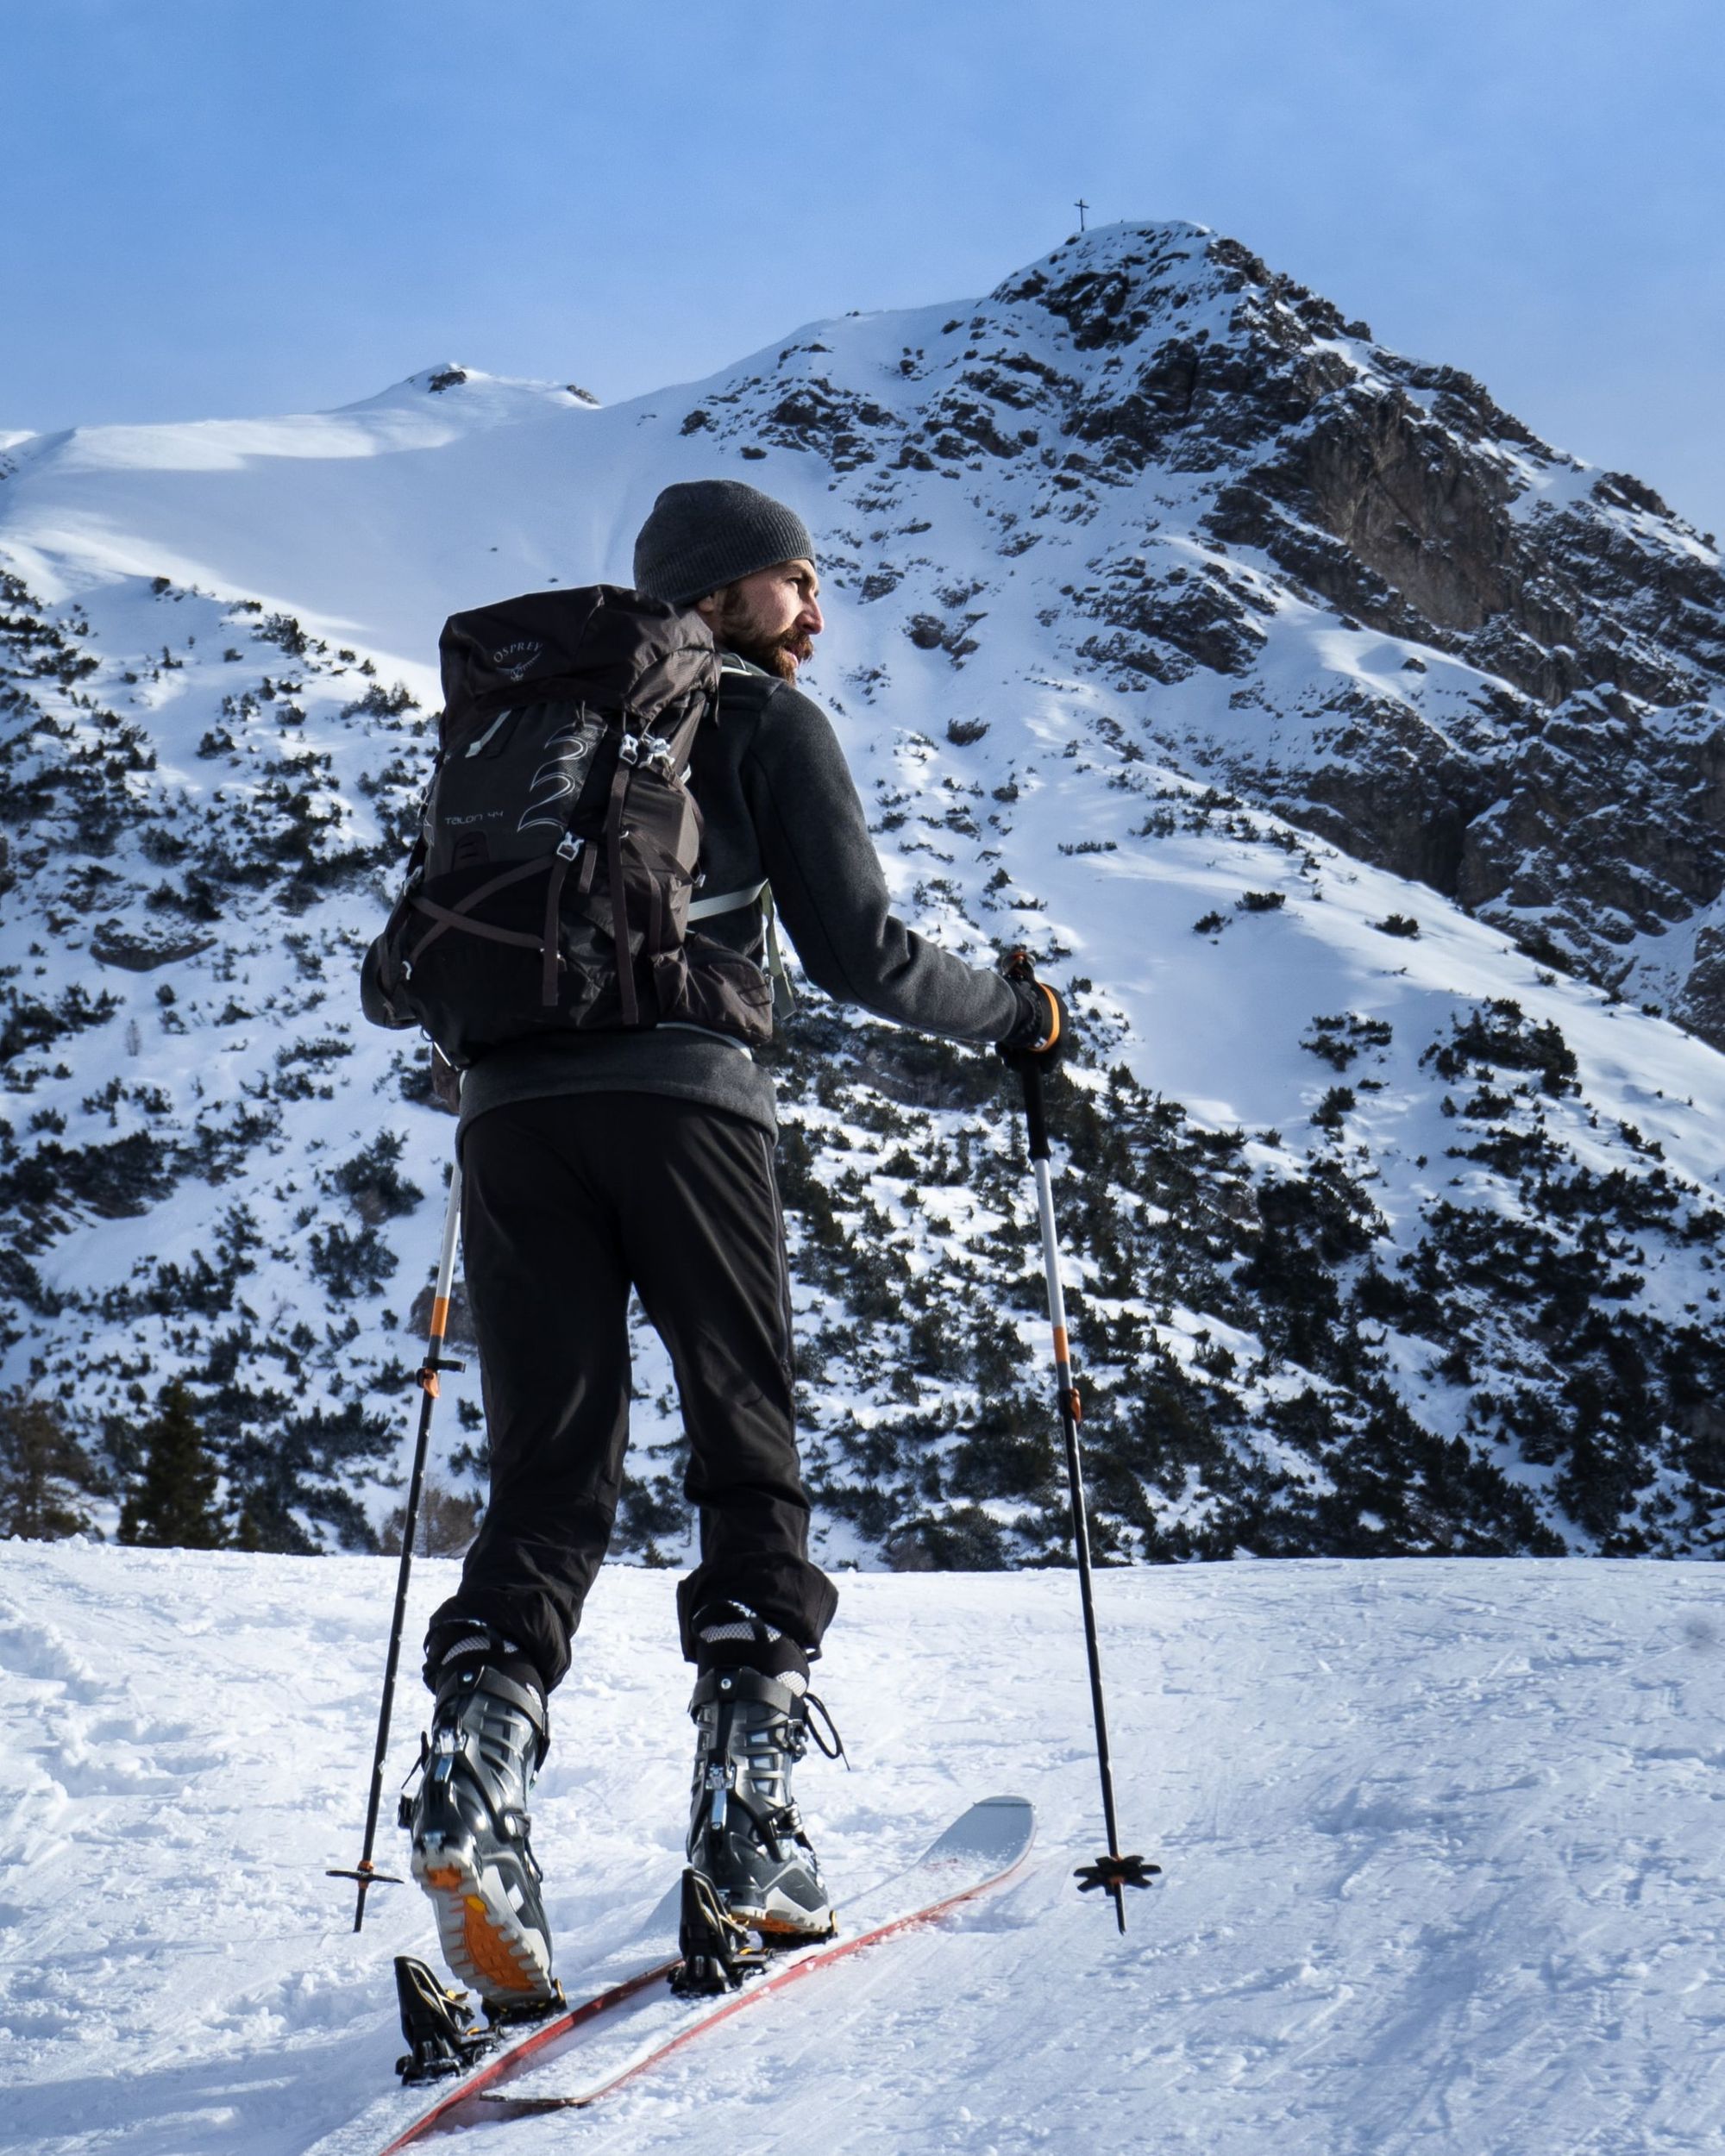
448,917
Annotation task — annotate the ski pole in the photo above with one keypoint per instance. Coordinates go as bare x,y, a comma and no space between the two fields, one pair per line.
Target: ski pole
365,1872
1111,1872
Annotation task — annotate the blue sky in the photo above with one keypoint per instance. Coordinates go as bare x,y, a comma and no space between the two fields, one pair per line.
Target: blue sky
224,206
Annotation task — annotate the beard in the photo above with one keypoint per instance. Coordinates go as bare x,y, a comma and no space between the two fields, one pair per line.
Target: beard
736,628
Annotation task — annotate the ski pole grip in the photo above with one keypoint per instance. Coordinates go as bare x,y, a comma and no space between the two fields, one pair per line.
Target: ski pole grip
1036,1123
1020,967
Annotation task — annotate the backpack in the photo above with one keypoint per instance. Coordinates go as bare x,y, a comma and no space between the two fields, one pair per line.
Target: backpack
549,889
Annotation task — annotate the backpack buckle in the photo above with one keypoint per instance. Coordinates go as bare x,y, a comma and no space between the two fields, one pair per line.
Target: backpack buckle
569,847
629,748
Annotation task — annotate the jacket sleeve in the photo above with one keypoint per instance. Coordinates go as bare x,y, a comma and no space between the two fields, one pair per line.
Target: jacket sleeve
833,897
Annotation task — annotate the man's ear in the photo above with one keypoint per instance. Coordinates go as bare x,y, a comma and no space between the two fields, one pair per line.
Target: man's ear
707,608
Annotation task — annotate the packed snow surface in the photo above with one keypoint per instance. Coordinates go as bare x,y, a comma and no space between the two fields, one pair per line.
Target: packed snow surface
1440,1837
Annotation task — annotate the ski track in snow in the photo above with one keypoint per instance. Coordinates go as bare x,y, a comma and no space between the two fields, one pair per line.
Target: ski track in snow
1440,1840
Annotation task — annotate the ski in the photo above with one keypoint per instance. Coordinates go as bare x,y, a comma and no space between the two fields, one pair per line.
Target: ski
629,2018
982,1849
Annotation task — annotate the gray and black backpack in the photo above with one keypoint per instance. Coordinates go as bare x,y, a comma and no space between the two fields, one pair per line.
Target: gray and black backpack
550,886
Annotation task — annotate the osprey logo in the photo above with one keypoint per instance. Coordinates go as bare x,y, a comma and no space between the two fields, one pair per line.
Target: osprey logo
514,659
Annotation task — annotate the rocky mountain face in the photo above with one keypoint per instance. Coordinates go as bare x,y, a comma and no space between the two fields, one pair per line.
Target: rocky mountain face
1581,799
1547,746
1353,758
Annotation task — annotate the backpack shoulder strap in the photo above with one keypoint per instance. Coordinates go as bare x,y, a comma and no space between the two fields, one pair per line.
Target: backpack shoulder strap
760,896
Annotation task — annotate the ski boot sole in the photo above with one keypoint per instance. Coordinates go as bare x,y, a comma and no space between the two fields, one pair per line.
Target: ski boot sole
776,1933
483,1941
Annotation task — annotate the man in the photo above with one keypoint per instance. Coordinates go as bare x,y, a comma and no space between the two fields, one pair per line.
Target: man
596,1162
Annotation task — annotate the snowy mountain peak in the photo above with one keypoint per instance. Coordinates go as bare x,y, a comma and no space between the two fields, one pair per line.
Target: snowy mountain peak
1117,284
1184,465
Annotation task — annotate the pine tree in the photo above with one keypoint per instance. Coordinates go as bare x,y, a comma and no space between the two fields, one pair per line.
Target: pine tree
174,1506
44,1470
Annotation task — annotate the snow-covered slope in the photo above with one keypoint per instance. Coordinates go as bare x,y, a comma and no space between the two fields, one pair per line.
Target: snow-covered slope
1387,1232
1439,1842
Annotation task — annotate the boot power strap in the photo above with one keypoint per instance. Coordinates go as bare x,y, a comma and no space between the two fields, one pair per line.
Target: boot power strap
730,1685
506,1688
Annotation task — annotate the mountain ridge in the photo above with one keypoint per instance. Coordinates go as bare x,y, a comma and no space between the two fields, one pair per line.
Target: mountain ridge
1391,1223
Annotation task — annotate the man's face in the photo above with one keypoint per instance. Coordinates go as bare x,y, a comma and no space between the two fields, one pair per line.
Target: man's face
772,618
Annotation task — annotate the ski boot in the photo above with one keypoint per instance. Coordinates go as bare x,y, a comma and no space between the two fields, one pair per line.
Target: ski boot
469,1823
752,1868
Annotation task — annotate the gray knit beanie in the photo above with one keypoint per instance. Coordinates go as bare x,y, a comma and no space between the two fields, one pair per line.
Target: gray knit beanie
701,534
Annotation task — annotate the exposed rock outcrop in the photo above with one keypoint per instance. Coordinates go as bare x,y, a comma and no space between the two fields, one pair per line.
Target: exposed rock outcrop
1567,778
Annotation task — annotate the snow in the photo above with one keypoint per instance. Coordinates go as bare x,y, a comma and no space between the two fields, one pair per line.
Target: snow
1440,1840
1440,1837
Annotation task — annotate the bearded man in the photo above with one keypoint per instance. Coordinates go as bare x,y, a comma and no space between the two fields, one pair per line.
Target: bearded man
594,1163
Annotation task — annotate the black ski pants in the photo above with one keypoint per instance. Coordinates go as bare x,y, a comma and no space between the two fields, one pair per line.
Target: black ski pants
568,1202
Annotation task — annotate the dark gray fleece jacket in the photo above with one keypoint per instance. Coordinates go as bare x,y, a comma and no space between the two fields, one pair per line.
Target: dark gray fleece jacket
779,803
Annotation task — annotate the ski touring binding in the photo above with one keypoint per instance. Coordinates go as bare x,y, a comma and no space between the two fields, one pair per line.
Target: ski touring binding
440,2036
717,1951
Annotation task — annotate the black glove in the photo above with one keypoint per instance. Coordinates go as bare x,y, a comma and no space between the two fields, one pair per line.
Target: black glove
1043,1032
